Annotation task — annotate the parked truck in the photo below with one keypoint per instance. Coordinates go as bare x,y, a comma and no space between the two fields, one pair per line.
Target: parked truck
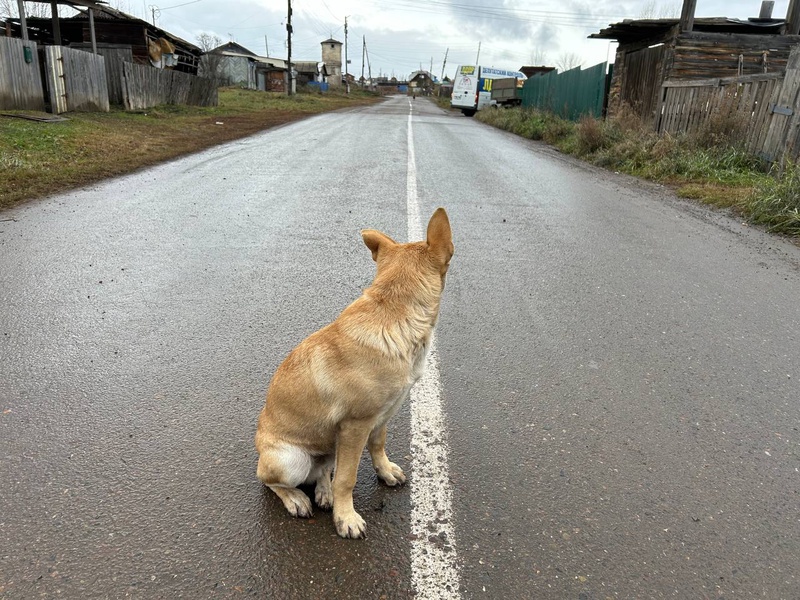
507,91
472,88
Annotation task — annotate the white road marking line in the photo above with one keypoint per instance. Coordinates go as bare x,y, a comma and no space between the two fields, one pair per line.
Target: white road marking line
434,570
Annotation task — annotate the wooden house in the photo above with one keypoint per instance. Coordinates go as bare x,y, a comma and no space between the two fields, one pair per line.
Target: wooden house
421,83
652,51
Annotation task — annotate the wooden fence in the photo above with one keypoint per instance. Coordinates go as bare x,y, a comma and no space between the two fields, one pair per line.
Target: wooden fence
20,81
145,87
76,80
114,55
765,108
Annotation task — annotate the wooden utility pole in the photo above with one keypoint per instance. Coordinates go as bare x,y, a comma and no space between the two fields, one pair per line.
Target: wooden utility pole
56,23
444,62
792,26
23,21
346,66
289,46
363,54
478,58
687,15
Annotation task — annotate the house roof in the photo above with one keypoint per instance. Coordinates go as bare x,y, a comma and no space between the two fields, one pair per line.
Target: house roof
84,3
416,74
278,63
106,13
310,66
530,71
233,48
635,30
331,41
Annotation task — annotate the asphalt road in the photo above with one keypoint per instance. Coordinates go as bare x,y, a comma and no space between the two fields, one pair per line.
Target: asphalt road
620,378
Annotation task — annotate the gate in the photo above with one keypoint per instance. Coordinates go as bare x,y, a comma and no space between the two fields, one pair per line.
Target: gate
76,80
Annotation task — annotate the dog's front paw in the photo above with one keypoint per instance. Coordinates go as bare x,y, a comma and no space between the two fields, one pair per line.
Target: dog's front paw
391,474
350,525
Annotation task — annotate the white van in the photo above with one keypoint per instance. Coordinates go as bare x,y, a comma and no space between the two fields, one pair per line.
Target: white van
472,88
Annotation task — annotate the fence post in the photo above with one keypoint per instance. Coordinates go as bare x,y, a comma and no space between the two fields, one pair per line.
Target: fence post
782,125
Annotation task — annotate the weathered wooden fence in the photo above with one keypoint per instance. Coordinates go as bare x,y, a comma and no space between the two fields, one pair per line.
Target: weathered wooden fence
20,81
766,108
641,76
114,55
145,87
76,80
570,94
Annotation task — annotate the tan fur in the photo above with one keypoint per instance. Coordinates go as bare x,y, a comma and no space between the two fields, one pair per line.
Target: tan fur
334,393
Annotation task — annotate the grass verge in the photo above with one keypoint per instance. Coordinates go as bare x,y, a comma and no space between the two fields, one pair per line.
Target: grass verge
710,166
39,158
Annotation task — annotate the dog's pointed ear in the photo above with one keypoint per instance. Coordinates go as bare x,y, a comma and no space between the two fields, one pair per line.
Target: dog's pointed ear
440,238
375,240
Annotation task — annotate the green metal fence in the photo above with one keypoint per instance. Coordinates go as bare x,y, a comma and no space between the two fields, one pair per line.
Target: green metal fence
570,94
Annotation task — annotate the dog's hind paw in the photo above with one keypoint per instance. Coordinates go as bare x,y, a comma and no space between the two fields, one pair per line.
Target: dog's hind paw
350,526
391,474
323,496
296,502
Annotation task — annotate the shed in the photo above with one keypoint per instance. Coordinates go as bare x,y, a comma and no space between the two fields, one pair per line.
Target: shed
112,28
652,51
311,71
233,64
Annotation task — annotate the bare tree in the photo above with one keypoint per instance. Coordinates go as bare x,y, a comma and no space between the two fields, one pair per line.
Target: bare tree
8,8
653,10
538,57
211,62
567,61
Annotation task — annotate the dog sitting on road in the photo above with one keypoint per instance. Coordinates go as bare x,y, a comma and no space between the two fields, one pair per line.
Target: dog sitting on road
335,392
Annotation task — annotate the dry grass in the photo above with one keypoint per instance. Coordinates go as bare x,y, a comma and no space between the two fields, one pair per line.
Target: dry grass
38,158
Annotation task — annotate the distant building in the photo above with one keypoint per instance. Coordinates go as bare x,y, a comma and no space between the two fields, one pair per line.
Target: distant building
421,83
534,71
332,57
233,64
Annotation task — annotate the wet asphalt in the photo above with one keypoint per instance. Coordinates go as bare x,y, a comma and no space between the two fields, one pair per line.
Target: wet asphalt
620,374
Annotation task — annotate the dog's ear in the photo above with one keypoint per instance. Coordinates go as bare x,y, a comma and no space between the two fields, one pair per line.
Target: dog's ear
375,240
440,238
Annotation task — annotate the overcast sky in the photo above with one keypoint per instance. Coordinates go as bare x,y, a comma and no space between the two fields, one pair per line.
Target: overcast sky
404,35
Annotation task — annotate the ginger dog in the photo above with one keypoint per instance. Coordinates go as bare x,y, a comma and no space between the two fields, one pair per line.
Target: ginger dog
335,392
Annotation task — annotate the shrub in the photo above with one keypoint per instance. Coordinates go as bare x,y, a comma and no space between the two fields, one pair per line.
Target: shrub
591,135
776,202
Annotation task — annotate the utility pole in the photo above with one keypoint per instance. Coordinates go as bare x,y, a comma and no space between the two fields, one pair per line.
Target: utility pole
444,62
289,46
363,55
478,58
266,41
346,66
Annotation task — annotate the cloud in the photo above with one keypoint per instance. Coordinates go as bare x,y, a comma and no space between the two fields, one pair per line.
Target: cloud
402,34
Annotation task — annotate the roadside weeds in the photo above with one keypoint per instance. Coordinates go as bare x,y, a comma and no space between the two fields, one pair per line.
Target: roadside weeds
711,167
